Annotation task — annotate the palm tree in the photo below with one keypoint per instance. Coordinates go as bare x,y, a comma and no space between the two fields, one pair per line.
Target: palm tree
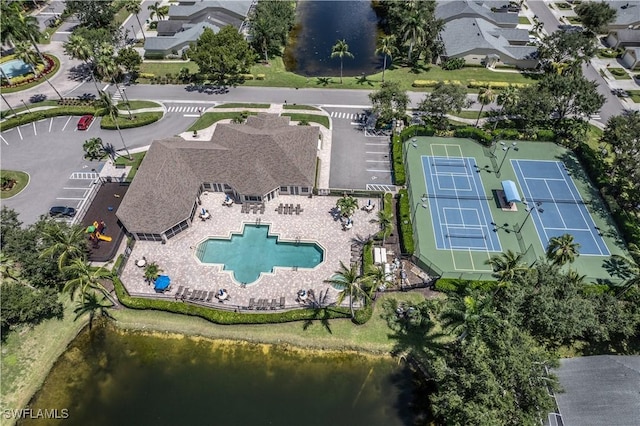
134,7
90,304
347,205
85,277
464,314
24,52
507,266
562,249
340,50
156,10
151,272
5,101
351,282
386,47
507,98
413,30
108,67
113,112
630,270
485,97
8,268
375,277
575,277
78,47
385,220
65,243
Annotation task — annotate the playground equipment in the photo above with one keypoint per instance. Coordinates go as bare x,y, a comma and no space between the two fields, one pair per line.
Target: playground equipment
95,232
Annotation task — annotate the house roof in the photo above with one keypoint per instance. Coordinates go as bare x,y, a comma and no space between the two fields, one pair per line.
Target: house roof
170,26
239,8
627,12
628,36
189,35
253,158
465,35
599,390
450,10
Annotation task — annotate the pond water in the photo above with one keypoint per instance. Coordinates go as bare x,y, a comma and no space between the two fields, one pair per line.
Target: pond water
319,24
110,378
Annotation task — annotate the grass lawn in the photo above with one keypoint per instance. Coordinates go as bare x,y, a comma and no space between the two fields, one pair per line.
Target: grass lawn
135,161
524,20
241,105
277,76
133,105
311,118
29,353
305,107
21,178
619,73
471,114
563,6
574,20
635,95
208,118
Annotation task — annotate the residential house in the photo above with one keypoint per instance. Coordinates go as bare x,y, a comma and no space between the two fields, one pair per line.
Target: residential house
627,14
252,162
631,58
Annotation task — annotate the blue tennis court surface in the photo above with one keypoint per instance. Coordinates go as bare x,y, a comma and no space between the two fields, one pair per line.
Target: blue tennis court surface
564,209
459,206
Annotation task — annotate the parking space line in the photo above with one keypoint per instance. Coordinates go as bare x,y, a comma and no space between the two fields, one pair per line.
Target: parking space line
50,124
377,161
73,199
378,171
377,143
34,128
191,115
65,124
4,140
376,152
82,188
92,121
20,133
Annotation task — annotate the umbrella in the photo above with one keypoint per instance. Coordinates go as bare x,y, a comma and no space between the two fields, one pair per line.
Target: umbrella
162,282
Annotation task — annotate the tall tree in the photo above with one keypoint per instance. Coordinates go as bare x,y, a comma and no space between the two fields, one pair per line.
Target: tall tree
351,283
413,31
507,266
64,243
595,16
77,47
225,54
341,50
462,314
113,111
24,52
390,102
347,205
622,133
444,98
24,305
387,48
630,270
562,249
93,14
85,278
156,11
485,97
270,25
384,219
506,98
563,48
134,7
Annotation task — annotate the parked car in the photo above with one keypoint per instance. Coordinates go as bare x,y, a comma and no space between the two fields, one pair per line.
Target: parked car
62,211
84,122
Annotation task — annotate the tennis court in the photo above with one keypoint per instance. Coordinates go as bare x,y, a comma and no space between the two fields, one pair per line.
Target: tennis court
564,210
458,203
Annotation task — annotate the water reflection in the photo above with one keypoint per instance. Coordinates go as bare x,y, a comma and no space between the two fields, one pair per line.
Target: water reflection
320,24
108,378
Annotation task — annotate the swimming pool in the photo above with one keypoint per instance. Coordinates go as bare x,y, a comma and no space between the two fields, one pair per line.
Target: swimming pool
15,68
255,251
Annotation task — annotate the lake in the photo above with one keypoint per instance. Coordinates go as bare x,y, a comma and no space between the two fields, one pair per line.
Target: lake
112,378
319,24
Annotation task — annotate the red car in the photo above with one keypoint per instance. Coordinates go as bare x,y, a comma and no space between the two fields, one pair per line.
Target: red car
84,122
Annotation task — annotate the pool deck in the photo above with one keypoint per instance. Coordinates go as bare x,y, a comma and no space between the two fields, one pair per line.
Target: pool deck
178,260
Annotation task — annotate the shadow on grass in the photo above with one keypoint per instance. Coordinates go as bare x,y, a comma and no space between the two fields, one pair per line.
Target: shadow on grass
361,80
324,81
319,314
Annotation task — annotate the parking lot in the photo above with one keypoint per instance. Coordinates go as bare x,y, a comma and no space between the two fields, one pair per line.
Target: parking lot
358,160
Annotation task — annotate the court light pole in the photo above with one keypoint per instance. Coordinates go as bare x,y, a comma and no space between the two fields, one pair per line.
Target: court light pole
530,210
506,148
25,105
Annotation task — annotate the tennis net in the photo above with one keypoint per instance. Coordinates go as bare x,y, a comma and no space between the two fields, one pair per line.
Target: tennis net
559,201
480,236
459,197
450,163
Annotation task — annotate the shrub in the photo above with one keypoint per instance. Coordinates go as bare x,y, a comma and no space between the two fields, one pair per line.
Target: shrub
453,64
147,75
246,76
153,55
399,177
608,53
546,135
619,72
456,285
473,133
424,83
260,76
507,134
139,120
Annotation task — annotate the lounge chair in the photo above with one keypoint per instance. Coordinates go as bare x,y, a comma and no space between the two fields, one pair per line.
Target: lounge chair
252,303
196,295
185,293
210,296
281,304
262,207
179,292
203,295
274,304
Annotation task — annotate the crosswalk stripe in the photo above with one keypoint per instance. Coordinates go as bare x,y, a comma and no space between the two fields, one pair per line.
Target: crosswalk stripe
384,188
84,175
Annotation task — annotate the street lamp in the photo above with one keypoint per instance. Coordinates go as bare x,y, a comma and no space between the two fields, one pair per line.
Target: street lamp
506,149
530,210
25,105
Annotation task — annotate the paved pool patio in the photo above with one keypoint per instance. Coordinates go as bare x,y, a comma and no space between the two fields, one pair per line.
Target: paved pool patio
178,260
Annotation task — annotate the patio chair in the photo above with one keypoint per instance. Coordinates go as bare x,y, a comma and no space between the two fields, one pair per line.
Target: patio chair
203,295
252,303
210,296
196,295
262,207
281,304
179,292
185,293
274,304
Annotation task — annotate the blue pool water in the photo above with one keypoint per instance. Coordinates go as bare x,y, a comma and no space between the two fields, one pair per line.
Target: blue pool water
15,68
255,251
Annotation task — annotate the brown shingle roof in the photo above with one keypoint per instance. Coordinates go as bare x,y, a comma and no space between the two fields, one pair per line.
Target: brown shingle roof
253,158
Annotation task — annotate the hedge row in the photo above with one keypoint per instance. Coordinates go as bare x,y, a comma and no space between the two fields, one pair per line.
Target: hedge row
399,177
472,84
139,120
404,219
47,113
433,83
475,133
228,317
456,285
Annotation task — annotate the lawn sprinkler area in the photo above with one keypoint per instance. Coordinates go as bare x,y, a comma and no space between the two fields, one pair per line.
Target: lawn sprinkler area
461,219
315,224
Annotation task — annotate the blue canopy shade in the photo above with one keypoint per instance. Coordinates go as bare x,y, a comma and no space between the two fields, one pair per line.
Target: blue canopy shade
162,282
510,191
